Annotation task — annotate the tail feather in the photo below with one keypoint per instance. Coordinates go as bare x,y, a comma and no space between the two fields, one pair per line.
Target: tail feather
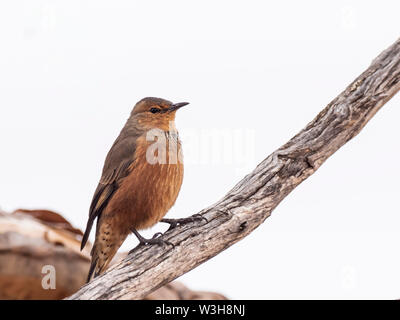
98,265
102,254
100,260
91,274
86,234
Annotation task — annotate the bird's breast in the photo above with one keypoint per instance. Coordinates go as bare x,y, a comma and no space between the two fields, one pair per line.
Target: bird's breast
152,186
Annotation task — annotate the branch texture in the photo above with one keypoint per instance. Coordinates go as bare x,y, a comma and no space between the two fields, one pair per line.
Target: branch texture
252,200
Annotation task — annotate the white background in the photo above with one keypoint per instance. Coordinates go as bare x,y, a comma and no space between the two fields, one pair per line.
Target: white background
70,72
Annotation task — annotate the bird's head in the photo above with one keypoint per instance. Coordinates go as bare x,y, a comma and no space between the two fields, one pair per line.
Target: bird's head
156,113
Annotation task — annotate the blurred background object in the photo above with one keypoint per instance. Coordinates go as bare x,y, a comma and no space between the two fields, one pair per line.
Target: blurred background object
33,239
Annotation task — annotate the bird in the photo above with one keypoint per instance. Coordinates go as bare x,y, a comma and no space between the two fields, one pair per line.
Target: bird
141,179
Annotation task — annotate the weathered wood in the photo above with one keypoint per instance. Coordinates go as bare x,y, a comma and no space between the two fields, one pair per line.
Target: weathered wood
252,200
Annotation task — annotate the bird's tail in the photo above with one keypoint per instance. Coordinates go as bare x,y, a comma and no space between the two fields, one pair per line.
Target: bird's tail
92,273
102,254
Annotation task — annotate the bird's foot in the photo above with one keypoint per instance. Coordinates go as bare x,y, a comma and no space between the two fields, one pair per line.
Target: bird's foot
156,239
175,222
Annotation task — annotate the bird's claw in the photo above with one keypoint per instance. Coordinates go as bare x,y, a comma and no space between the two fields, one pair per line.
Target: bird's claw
156,235
156,239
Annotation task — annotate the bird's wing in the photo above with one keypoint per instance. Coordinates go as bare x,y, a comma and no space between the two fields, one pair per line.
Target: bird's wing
116,168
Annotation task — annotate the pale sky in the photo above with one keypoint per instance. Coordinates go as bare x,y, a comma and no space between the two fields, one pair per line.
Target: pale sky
255,73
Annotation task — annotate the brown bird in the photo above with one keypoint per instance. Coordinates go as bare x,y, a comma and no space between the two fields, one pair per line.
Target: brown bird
140,182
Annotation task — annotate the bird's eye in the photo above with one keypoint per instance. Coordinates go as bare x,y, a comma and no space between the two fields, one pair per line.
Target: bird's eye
155,110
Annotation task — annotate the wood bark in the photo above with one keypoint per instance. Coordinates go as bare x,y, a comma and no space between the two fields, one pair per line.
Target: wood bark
253,199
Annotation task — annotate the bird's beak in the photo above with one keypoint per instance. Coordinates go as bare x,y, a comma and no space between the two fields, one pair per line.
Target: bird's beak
177,106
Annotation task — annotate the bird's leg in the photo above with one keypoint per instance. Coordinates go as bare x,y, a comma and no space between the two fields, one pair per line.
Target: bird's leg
156,239
175,222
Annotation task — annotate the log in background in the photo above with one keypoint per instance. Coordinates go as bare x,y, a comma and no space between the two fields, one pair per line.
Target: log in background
30,240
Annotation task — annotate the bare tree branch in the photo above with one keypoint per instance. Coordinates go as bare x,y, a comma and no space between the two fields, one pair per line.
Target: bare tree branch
252,200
